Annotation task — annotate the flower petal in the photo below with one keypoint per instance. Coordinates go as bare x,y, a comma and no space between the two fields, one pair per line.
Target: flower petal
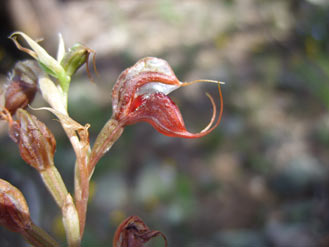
61,48
164,115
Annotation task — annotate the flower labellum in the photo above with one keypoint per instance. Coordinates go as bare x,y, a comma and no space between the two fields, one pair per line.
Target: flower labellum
22,85
140,94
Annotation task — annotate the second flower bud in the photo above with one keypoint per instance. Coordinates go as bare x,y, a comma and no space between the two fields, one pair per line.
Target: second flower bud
36,142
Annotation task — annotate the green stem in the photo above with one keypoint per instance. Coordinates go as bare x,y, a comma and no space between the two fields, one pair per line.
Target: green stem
81,194
38,237
64,80
71,222
79,139
83,171
110,133
55,184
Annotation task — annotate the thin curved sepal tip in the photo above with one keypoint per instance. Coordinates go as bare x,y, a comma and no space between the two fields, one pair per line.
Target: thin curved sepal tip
32,53
201,80
213,113
94,65
208,128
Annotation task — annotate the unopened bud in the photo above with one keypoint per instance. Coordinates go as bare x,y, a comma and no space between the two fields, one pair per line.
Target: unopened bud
14,212
75,58
36,142
22,85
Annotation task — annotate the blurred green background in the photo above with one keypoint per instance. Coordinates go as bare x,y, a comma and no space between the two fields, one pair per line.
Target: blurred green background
260,179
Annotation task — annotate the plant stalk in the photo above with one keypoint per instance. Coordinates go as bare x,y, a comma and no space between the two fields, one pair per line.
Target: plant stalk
109,134
54,184
78,136
38,237
71,222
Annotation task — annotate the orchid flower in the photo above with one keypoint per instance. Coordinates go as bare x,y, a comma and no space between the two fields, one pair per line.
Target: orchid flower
141,94
62,68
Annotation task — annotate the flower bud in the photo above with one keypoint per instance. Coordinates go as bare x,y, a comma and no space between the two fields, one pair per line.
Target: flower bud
22,85
36,142
75,58
14,212
133,232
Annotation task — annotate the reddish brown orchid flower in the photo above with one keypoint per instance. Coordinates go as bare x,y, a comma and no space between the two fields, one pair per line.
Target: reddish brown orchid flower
140,94
133,232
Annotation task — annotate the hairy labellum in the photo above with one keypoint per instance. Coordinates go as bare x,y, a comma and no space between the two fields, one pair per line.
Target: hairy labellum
140,94
14,212
22,85
133,232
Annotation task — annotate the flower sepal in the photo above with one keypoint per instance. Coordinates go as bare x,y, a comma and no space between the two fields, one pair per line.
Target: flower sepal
49,64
